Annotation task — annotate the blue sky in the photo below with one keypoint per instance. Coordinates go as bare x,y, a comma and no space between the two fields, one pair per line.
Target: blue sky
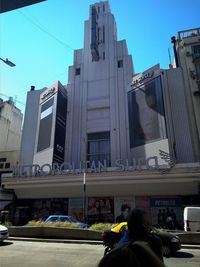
40,38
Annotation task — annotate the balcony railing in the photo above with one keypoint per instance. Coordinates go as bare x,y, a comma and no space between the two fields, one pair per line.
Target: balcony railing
188,33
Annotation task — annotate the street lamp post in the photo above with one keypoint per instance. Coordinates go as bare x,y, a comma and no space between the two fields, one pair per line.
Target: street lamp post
8,62
84,198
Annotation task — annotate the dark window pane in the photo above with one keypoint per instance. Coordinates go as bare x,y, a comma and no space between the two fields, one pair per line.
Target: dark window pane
120,63
99,147
77,71
44,138
93,147
47,104
7,165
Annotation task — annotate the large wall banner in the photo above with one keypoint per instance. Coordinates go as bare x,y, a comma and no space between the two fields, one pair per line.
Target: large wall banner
100,209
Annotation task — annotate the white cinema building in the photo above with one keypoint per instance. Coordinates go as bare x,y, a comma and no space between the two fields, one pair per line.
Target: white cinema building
129,133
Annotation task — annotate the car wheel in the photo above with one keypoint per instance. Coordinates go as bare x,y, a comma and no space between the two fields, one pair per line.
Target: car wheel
166,251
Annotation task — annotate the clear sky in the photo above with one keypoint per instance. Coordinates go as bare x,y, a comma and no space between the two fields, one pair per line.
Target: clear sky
40,38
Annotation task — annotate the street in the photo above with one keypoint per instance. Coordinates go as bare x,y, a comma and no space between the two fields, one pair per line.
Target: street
42,254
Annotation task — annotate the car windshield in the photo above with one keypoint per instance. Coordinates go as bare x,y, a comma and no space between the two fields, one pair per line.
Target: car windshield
53,219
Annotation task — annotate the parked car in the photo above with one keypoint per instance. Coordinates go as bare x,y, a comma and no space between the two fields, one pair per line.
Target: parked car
4,234
65,218
191,216
171,243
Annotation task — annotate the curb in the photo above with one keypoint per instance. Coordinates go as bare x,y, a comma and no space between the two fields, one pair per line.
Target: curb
71,241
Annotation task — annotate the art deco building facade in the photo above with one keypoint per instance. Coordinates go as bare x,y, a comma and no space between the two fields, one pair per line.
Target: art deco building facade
125,131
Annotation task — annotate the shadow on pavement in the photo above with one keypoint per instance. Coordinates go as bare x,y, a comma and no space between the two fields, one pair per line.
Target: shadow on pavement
5,243
181,254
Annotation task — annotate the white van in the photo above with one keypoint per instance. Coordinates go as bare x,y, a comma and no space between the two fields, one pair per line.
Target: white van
191,217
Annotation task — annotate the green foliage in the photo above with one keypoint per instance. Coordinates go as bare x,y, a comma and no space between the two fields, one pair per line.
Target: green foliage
101,226
95,227
55,224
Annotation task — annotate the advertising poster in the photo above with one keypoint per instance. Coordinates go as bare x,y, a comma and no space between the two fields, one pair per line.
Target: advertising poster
122,207
42,208
100,209
166,212
146,114
76,208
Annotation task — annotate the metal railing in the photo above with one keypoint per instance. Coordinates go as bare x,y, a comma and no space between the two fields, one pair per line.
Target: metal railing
188,33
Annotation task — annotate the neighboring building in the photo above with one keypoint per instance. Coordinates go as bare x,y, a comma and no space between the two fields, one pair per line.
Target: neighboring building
10,138
188,57
125,132
10,135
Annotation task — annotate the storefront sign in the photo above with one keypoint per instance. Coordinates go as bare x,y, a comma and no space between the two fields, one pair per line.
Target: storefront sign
141,79
139,164
48,93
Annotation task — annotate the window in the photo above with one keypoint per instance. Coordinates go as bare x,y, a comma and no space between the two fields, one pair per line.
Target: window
197,66
103,34
99,148
196,52
3,159
7,165
1,165
77,71
45,126
120,63
103,8
98,9
104,55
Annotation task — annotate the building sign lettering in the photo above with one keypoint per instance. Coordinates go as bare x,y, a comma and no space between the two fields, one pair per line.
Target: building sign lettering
65,168
49,93
142,78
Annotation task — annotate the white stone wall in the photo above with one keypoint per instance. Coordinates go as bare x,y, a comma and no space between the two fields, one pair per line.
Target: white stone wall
30,127
10,127
97,99
185,56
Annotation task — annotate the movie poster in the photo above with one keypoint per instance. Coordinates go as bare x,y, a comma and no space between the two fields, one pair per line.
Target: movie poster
76,208
122,207
166,212
100,209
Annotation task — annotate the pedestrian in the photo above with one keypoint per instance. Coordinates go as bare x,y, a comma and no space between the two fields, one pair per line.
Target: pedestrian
139,229
125,209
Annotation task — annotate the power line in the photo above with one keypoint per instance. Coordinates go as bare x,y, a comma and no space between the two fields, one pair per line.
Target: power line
38,25
12,98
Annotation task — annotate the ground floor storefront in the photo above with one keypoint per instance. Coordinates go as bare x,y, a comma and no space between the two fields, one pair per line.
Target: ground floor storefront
106,196
103,209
